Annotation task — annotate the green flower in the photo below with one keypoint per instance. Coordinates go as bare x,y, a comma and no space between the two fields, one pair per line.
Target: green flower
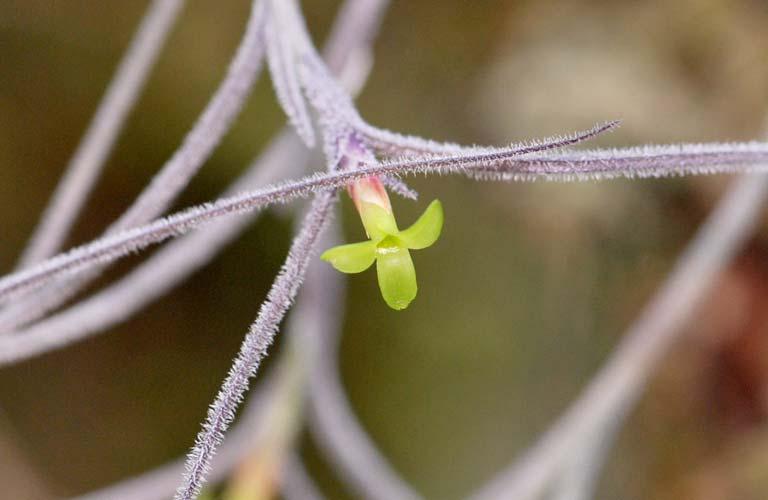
389,247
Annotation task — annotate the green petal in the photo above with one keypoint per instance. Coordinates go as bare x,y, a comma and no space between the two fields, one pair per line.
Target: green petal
397,277
425,231
378,222
352,258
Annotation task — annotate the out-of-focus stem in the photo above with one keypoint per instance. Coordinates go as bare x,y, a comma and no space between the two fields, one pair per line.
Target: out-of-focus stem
259,475
86,164
273,413
161,482
162,272
314,319
617,386
198,144
297,484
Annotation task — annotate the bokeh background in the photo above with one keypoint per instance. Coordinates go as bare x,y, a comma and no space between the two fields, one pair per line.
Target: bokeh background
523,298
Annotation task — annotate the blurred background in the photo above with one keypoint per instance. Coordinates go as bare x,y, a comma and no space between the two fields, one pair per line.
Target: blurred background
522,299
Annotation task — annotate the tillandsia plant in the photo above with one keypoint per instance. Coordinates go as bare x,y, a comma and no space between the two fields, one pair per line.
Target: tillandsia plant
364,159
387,245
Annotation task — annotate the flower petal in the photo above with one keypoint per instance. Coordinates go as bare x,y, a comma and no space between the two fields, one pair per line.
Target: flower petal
425,231
378,222
397,277
352,258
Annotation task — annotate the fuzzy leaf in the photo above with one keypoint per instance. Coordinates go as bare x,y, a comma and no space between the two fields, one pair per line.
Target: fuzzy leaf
352,258
397,276
426,230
